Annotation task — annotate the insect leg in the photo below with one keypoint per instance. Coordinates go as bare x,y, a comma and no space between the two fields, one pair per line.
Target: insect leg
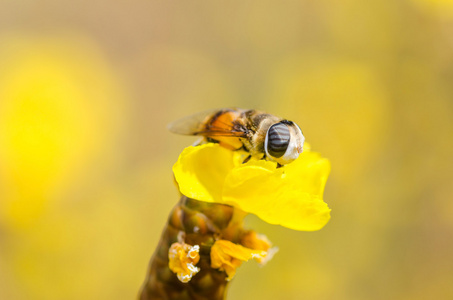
247,159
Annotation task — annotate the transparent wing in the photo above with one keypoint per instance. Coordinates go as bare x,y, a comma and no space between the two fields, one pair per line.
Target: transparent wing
200,124
193,124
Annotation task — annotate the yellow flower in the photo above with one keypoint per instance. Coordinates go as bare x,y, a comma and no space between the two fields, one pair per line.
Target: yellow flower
227,256
59,120
290,196
182,260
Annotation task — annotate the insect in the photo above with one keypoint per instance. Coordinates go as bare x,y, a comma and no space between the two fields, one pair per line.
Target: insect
194,222
263,135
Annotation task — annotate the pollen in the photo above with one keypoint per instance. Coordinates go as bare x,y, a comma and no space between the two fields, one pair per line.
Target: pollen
182,260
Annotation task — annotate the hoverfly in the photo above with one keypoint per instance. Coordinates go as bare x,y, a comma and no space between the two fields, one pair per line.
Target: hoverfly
263,135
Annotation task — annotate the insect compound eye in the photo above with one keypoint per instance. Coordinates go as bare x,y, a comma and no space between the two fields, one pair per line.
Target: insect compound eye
278,137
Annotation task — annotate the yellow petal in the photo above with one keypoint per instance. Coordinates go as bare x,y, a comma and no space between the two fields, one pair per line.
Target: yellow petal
298,211
311,171
289,196
200,171
227,256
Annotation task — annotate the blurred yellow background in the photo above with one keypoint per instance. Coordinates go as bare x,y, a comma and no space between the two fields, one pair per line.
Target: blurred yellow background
86,91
